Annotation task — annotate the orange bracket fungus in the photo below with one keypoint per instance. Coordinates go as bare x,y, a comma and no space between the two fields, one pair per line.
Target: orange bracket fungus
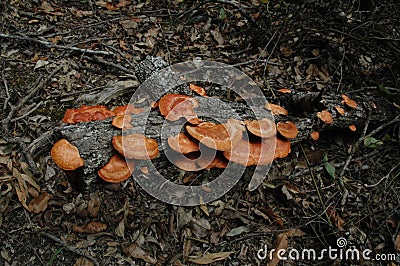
197,89
282,148
217,136
116,170
122,117
340,110
86,114
353,127
217,162
314,135
66,155
285,90
325,116
183,144
122,121
276,109
287,129
349,102
174,106
127,109
252,153
264,128
136,146
186,163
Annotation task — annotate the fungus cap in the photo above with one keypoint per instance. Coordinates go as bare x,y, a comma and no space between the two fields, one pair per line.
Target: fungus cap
276,109
136,146
186,163
183,144
314,135
287,129
197,89
349,102
66,155
264,128
250,153
122,121
116,170
127,109
174,106
86,114
217,136
218,162
325,116
282,148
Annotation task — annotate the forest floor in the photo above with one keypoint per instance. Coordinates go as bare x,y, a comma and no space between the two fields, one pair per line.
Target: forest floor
341,189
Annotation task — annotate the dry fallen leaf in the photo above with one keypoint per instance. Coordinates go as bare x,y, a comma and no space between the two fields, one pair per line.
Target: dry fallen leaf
286,50
312,70
335,218
218,37
90,228
211,257
133,250
39,204
21,188
282,242
109,6
397,242
94,204
82,261
272,215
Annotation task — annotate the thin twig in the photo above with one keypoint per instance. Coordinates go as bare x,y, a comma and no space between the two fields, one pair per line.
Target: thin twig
51,45
123,55
32,92
28,113
72,249
336,165
27,154
7,92
355,146
86,26
341,69
383,178
273,48
257,60
111,64
14,109
314,182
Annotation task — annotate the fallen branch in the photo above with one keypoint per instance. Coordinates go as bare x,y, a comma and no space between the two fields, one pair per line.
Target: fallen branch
51,45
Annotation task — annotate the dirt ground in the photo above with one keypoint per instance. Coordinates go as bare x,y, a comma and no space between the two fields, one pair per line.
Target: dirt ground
343,187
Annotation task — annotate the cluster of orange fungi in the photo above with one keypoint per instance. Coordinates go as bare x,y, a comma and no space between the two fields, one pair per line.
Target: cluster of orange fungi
326,116
219,137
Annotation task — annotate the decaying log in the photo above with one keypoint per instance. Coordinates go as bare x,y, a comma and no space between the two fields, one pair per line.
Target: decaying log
304,106
93,139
